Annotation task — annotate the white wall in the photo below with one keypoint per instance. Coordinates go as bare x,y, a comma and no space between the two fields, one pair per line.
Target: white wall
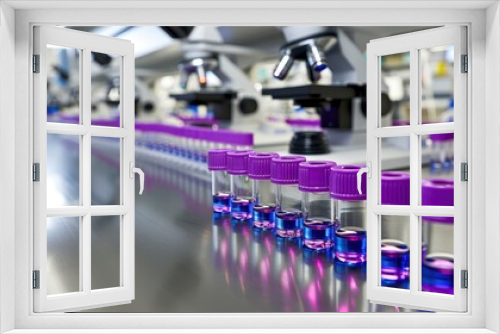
7,125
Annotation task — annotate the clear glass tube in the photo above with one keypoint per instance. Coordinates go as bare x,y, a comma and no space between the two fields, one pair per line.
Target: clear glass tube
350,237
319,229
395,247
241,197
221,192
289,215
264,208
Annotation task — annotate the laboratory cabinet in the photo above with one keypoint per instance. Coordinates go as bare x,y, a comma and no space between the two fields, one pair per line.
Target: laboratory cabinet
154,153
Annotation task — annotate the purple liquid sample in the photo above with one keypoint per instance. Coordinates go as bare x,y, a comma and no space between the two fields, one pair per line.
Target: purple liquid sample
437,274
395,260
289,224
351,244
319,233
241,208
221,202
264,216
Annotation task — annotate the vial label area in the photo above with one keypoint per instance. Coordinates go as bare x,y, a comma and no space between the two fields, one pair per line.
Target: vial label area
289,224
350,244
241,208
221,202
395,260
437,274
264,216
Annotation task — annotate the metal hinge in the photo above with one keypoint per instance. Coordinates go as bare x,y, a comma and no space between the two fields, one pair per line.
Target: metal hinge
465,64
464,168
36,172
36,279
465,279
36,63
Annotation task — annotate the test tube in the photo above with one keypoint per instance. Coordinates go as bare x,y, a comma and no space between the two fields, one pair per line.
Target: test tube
241,202
394,244
437,235
289,216
264,208
441,153
349,212
221,192
314,181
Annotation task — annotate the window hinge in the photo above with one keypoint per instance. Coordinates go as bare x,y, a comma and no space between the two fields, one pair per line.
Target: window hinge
36,172
36,63
465,279
36,279
465,64
464,167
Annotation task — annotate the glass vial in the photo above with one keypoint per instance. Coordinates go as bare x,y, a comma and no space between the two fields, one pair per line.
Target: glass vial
241,202
395,230
289,216
314,181
264,201
221,192
349,213
437,238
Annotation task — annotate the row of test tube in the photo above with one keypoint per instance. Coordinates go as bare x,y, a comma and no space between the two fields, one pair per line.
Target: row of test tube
186,146
318,202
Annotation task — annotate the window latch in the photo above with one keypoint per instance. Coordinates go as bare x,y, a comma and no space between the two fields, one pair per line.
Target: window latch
135,170
360,173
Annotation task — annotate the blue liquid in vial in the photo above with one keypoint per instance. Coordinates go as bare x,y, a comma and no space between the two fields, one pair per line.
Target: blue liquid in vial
395,260
221,202
264,216
289,224
437,274
319,233
241,208
350,244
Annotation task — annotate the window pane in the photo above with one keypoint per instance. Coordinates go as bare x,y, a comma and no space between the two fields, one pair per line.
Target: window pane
63,170
437,254
395,89
105,252
395,251
105,171
438,155
395,177
63,255
436,66
105,89
63,84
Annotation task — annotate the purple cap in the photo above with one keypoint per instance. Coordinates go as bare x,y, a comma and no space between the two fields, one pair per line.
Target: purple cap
259,165
285,170
344,183
237,162
303,122
438,192
314,176
442,136
217,159
395,188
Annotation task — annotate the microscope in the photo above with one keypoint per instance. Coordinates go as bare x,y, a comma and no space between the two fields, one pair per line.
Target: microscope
220,84
341,105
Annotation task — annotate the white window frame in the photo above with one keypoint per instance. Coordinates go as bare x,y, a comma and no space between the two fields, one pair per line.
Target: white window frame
413,43
482,315
86,43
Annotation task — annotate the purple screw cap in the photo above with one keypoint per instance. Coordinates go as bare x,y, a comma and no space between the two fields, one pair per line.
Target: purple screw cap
259,165
395,188
285,170
438,192
344,183
314,176
237,162
442,137
217,159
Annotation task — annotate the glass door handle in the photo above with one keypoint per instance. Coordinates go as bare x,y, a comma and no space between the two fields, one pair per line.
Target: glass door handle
135,170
